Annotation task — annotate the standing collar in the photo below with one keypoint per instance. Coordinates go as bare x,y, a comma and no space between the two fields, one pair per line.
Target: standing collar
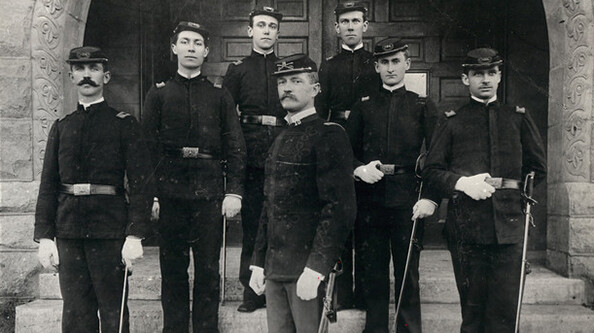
295,118
347,48
393,88
263,53
97,101
191,76
482,101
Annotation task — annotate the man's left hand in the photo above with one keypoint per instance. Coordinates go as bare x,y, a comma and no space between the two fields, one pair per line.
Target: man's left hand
231,206
308,283
423,208
131,250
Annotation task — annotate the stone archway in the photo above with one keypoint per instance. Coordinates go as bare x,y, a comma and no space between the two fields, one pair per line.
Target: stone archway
570,234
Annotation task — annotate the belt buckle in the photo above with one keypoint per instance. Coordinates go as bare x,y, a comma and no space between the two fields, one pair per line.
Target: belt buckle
81,189
190,152
496,182
269,120
388,169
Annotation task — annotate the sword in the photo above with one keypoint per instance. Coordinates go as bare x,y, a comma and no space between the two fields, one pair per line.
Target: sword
123,299
329,313
528,188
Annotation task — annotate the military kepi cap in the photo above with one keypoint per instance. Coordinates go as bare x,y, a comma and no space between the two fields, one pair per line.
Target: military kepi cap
296,63
482,58
191,26
86,54
346,7
388,46
266,11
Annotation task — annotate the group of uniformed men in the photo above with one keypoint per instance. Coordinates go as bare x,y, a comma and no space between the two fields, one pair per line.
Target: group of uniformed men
309,160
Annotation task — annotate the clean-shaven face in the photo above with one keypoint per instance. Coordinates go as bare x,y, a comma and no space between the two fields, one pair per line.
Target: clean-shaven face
190,49
482,83
350,27
392,68
264,32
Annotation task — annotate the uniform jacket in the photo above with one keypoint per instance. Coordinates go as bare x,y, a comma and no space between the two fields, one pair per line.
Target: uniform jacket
194,113
97,146
391,127
344,78
499,139
309,206
254,90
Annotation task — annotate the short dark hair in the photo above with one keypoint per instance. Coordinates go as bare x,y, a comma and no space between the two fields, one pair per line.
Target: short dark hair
251,24
173,39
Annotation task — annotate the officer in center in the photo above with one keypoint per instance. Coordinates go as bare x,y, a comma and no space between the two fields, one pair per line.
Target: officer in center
253,89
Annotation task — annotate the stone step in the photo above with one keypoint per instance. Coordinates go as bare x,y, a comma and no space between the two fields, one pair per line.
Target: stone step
436,275
146,317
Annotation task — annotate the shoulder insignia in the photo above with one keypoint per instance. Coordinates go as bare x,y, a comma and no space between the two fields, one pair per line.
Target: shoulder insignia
218,85
422,100
238,62
123,115
160,85
365,98
520,109
450,113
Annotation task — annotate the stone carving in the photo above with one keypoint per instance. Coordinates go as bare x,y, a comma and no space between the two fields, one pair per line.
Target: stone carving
577,93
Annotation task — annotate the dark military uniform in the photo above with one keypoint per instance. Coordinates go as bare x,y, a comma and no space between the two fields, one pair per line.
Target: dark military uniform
192,127
254,91
96,149
390,127
485,236
309,205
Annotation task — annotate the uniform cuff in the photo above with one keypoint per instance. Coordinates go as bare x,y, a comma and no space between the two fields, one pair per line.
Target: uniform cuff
234,195
312,272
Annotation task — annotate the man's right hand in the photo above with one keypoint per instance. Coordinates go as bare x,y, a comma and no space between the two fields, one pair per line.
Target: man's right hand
369,173
475,186
257,280
48,253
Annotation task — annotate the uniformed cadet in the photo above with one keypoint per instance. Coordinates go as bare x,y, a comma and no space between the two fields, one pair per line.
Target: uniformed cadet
309,205
343,79
387,130
478,158
253,89
83,204
193,134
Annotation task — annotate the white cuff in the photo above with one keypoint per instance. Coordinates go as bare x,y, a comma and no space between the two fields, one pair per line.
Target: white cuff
233,195
311,271
133,238
256,268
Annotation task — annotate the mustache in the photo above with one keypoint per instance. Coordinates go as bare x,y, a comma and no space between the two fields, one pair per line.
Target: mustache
88,81
287,95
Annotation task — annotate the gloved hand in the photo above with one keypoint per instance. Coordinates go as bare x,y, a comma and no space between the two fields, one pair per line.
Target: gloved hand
231,205
48,253
475,186
131,250
257,280
156,210
423,208
369,173
308,283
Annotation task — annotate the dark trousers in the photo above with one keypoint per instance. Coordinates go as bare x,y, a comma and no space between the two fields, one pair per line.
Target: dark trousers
287,313
185,225
91,278
251,209
488,281
348,294
383,232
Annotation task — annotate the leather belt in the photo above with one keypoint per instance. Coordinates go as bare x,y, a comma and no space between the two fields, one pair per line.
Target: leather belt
339,114
189,152
392,169
262,120
504,183
89,189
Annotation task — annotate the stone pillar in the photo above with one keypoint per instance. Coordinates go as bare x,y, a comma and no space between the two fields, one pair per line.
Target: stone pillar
35,36
570,234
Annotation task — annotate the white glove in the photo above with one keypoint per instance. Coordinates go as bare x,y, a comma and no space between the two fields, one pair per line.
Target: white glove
369,173
308,283
475,186
231,205
156,210
48,253
131,250
423,208
257,280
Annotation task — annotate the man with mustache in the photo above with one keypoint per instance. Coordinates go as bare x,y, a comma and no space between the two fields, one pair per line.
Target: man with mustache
478,158
388,129
253,89
343,79
309,205
94,201
194,137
